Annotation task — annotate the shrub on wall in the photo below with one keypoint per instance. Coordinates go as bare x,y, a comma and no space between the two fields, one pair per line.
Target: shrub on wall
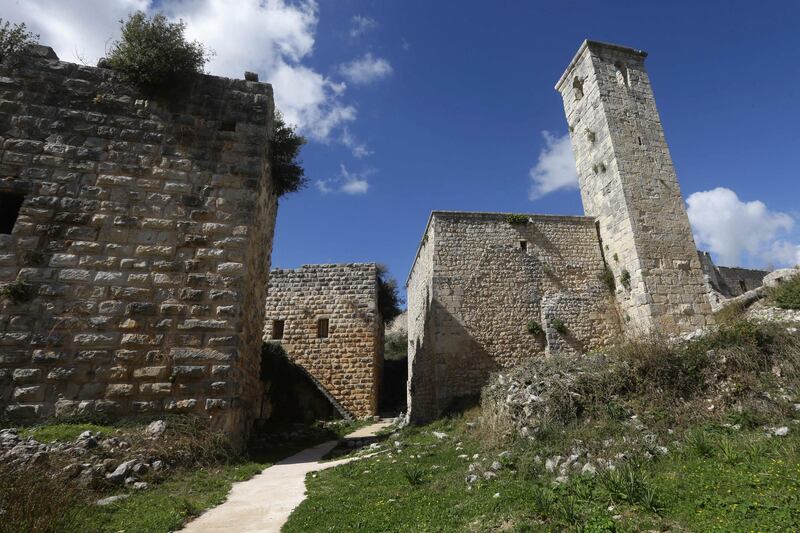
607,277
14,38
787,295
625,279
287,170
18,292
155,55
517,220
534,328
389,300
559,325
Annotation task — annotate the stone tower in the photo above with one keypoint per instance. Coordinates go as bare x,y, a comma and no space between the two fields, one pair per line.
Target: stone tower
628,184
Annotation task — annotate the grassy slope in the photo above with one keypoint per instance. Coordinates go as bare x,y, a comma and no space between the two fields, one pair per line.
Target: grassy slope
723,480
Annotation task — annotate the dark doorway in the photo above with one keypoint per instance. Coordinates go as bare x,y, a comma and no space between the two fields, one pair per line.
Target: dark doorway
10,205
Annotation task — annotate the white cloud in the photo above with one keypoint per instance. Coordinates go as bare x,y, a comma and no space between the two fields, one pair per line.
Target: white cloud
271,37
359,25
78,30
346,182
740,232
358,148
366,69
555,168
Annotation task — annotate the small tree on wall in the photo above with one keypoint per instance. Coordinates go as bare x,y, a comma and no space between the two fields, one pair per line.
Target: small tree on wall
14,38
155,55
389,300
287,170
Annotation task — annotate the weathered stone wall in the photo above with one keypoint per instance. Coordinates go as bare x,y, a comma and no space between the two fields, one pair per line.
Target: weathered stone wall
728,282
145,236
479,280
348,362
628,183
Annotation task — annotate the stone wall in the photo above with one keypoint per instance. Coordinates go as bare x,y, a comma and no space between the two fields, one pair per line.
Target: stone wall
728,282
628,183
144,237
347,363
476,284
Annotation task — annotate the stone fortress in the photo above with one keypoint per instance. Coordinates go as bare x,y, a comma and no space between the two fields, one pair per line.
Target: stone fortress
326,317
136,244
136,234
488,289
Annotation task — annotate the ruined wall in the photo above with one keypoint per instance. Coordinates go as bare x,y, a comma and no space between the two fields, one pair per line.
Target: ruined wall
628,182
488,279
144,236
347,363
728,282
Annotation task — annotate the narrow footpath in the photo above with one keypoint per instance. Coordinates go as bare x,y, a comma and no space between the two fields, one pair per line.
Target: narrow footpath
264,503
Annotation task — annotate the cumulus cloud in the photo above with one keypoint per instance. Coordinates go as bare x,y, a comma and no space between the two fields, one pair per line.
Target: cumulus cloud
739,232
271,37
359,25
346,182
366,69
555,168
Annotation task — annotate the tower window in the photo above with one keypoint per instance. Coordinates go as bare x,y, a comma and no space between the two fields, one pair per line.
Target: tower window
277,329
622,74
523,245
10,205
322,328
743,286
577,86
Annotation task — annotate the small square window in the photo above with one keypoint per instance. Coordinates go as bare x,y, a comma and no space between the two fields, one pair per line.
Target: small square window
322,328
10,205
523,245
277,329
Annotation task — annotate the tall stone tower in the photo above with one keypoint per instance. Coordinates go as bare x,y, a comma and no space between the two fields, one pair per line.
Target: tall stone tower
628,183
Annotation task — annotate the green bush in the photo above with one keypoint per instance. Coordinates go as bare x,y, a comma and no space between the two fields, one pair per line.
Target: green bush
389,300
559,325
287,170
787,295
534,328
625,279
154,54
607,277
14,38
517,220
18,292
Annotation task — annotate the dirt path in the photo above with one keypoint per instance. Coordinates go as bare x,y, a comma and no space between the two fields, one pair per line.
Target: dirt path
264,503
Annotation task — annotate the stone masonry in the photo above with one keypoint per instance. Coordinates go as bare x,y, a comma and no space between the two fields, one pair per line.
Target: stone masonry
144,238
477,283
628,184
327,319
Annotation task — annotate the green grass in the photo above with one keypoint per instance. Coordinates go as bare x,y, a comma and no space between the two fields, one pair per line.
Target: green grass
63,432
742,481
167,506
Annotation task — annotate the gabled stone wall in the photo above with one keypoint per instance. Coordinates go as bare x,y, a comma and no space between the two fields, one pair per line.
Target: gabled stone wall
348,362
145,238
478,281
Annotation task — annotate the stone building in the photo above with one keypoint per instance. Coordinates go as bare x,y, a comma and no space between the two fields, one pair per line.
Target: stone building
135,243
327,319
481,287
630,266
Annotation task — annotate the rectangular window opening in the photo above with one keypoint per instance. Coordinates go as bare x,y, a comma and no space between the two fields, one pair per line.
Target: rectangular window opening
227,125
742,285
277,329
10,205
322,328
523,245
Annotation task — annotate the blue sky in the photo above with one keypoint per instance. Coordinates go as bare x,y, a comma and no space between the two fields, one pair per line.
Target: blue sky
414,106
